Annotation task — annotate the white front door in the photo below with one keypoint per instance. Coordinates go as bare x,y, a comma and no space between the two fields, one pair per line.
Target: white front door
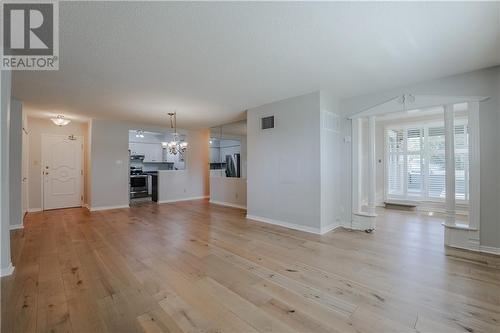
62,171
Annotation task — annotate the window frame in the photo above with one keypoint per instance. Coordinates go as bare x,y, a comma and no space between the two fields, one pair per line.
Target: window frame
424,160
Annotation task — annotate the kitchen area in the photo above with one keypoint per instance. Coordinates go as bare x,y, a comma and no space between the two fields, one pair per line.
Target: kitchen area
149,153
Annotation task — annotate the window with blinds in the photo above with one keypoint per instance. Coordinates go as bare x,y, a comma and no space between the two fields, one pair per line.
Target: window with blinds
415,162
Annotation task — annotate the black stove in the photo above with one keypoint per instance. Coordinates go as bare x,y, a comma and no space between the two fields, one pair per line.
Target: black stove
136,171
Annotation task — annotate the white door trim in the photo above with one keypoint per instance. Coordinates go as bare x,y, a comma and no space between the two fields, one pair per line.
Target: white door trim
82,161
25,165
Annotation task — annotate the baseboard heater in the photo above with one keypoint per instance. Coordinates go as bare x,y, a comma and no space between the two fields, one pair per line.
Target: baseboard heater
400,205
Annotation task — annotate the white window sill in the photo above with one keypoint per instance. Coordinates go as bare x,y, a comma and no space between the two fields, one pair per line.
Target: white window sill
459,226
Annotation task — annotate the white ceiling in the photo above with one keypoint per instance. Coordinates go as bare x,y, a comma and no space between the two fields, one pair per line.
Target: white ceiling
211,61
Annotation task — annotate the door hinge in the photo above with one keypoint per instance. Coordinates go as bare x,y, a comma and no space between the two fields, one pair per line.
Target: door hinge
81,197
81,172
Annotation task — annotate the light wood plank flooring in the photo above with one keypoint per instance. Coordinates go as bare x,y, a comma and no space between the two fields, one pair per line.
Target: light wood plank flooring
197,267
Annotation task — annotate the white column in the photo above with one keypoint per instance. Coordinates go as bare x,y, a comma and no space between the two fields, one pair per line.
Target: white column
356,160
449,151
474,165
372,164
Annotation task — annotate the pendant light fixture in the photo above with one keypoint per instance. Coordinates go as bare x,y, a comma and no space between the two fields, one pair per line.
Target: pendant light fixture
176,145
60,120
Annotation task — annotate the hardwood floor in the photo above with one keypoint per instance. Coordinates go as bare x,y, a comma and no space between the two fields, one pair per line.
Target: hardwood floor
197,267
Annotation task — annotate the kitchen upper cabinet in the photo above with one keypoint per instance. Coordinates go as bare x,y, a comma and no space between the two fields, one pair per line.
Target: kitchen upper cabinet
153,152
215,155
132,146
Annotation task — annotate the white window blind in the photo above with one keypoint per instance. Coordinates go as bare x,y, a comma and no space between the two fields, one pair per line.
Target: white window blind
415,162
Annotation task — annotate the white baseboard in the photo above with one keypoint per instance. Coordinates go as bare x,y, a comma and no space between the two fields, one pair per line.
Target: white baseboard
228,204
466,239
489,249
95,209
329,228
462,238
288,225
183,199
34,210
7,270
16,227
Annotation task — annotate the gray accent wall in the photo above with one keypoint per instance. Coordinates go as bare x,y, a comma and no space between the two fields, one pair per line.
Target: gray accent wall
284,163
109,164
296,173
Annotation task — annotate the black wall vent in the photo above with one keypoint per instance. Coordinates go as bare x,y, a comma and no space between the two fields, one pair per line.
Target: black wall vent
267,122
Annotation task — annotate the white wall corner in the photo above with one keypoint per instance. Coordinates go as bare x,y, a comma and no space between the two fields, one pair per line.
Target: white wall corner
328,228
7,270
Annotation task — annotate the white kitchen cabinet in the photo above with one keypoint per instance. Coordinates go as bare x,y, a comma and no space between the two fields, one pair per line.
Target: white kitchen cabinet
132,146
214,155
152,152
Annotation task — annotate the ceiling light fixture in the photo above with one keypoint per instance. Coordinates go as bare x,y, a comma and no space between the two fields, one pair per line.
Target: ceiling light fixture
60,120
175,146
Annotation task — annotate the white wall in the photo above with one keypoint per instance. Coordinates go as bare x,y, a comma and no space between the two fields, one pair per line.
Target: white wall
335,206
478,83
191,183
37,127
110,165
284,163
5,98
15,166
228,191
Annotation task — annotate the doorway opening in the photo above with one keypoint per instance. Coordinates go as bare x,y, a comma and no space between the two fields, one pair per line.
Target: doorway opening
431,160
411,168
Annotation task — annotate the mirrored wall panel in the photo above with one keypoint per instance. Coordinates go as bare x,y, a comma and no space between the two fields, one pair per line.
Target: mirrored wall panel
227,147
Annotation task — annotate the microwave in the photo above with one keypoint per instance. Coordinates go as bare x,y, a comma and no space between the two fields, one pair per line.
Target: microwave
137,157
